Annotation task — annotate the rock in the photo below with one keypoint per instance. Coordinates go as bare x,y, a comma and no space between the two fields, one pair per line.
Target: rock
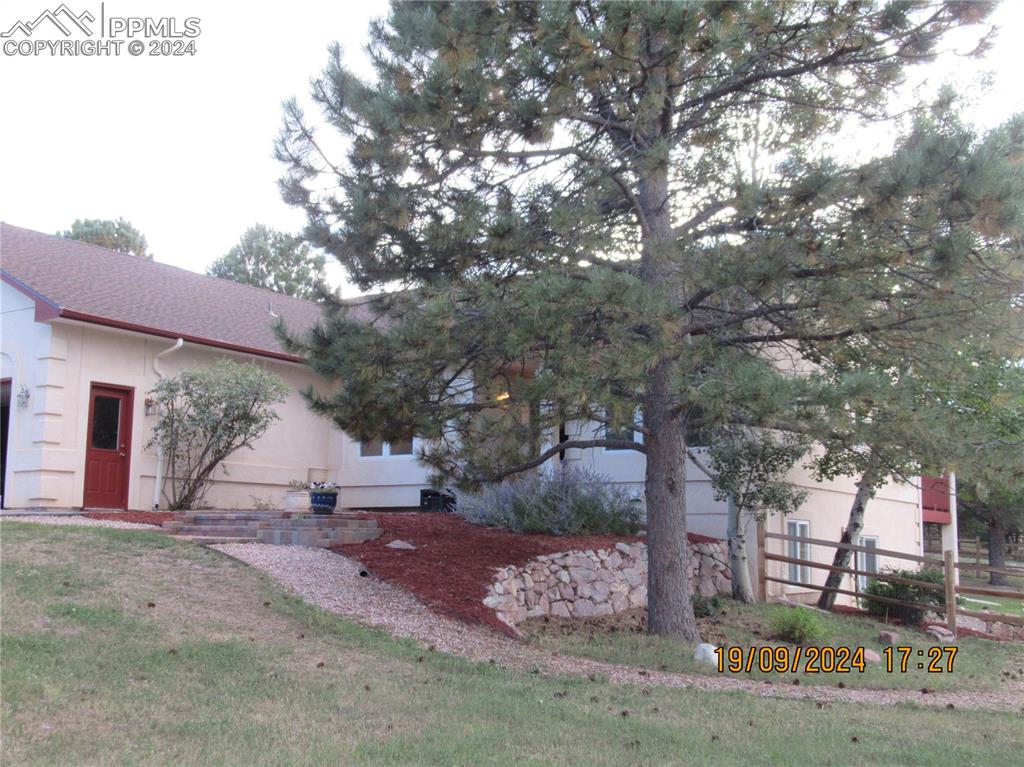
614,560
501,603
633,576
706,587
565,591
560,610
1000,630
638,597
619,602
527,581
722,583
871,656
888,637
403,545
498,587
623,547
603,608
581,575
563,576
941,634
585,608
599,591
705,653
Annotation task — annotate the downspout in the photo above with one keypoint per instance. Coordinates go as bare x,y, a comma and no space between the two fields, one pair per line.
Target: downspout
158,486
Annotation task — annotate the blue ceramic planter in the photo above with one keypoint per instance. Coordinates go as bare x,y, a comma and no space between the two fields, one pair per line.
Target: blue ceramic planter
322,503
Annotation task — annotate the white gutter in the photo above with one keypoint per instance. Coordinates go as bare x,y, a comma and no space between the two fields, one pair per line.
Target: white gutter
158,486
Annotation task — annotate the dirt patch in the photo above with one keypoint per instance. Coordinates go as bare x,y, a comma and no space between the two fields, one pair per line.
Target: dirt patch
455,560
135,517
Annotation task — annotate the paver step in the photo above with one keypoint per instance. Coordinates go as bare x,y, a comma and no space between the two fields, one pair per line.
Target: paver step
223,517
207,540
231,531
322,523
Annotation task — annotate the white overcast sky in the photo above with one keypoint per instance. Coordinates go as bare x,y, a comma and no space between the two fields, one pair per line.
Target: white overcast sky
181,147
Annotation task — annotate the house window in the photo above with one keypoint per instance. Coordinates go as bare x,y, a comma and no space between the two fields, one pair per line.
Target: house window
632,436
798,550
866,560
376,448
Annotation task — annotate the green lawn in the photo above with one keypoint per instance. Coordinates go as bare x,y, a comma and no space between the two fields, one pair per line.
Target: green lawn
1001,604
129,648
979,663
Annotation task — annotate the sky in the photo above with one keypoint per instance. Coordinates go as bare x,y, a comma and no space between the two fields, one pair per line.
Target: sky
181,146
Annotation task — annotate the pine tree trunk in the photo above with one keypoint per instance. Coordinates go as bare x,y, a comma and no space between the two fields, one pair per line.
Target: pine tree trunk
997,551
669,609
739,565
855,523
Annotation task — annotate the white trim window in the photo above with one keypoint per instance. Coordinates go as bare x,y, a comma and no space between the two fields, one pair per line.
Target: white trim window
799,528
635,436
866,560
400,448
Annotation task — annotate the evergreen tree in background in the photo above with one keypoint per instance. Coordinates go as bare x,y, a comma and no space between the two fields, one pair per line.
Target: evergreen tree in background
555,187
273,260
116,235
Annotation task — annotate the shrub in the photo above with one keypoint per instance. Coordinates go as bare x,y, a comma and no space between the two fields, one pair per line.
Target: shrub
906,592
798,625
570,501
706,607
206,414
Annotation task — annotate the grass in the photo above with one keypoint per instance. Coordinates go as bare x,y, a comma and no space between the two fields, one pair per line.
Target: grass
127,648
979,663
1004,605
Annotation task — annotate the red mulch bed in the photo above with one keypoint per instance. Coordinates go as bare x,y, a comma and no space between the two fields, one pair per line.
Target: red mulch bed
454,561
137,517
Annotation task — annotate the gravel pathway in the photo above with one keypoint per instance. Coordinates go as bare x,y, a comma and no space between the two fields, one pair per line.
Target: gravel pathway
48,519
333,582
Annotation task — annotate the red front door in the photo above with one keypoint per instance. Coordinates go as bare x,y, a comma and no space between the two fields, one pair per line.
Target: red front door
108,448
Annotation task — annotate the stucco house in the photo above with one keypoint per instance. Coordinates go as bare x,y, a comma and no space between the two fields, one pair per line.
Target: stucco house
87,332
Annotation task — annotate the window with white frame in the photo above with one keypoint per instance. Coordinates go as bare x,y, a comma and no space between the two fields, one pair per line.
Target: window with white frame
632,436
798,528
866,560
376,448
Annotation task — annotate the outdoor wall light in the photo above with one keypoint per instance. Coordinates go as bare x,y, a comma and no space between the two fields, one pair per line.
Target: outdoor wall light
503,396
150,406
23,396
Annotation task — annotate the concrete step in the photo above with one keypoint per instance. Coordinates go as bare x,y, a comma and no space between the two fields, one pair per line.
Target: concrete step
232,531
209,540
225,517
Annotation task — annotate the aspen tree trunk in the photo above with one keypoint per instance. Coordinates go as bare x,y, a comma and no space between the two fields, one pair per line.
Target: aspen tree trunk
739,564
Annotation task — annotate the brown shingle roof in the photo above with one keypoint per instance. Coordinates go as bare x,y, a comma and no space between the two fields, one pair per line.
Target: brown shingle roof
89,283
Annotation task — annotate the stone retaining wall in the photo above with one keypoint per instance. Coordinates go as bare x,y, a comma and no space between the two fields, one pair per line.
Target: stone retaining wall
584,584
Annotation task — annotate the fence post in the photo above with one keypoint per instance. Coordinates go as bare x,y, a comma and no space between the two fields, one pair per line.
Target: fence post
762,564
949,581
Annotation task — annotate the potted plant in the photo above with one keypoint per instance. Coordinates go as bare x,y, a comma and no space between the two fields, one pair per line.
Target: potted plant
323,496
297,496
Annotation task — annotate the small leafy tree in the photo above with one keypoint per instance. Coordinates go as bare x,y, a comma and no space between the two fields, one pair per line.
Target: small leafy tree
117,235
747,470
206,414
273,260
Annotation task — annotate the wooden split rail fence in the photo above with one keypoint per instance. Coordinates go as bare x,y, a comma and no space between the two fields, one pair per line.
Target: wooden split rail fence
947,563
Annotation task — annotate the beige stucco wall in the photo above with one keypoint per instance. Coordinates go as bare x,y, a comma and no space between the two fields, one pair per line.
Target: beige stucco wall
34,475
60,360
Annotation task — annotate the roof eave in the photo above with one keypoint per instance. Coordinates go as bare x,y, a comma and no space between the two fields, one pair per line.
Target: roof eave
46,309
93,319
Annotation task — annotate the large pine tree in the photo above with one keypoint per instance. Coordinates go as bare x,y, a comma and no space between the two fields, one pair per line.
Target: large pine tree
556,187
